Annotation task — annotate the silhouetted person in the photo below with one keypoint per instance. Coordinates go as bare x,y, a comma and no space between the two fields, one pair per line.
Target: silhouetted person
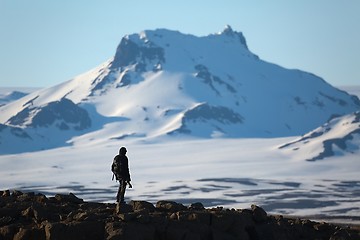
120,168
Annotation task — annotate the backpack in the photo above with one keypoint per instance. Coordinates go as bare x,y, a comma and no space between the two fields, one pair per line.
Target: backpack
116,167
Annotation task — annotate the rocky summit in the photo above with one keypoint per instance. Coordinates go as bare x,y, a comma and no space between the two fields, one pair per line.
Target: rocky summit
36,216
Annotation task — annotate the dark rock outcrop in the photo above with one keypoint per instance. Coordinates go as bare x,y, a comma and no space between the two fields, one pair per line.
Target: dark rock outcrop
202,113
64,114
35,216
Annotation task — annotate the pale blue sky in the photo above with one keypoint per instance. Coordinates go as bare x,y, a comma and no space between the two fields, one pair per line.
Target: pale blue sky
46,42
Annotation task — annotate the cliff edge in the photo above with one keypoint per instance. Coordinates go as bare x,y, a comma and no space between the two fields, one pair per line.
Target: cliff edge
35,216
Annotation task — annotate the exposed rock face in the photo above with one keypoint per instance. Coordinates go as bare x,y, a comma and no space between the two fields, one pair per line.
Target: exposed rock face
192,122
35,216
128,52
63,111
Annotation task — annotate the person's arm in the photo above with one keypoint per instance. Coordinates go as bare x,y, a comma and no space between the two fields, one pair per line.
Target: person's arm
127,170
128,179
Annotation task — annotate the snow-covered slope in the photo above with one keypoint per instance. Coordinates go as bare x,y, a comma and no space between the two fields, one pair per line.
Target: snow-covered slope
165,83
340,136
217,172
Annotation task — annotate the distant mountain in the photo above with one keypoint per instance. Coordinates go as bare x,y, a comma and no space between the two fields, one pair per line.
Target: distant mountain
337,137
165,83
11,96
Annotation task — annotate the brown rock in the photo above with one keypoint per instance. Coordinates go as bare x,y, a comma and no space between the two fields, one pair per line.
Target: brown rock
5,193
169,206
341,234
75,230
259,214
40,198
114,231
138,231
71,198
175,231
127,217
12,212
6,220
28,213
16,193
196,206
222,221
30,234
143,216
30,216
81,216
219,235
40,214
243,221
7,232
25,197
123,208
141,205
201,217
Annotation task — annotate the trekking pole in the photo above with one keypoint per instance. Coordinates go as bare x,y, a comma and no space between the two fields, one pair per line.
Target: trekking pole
112,178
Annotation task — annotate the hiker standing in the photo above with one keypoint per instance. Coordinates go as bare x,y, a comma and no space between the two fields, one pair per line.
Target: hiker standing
120,168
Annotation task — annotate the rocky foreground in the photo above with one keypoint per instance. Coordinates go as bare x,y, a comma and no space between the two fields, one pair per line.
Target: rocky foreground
35,216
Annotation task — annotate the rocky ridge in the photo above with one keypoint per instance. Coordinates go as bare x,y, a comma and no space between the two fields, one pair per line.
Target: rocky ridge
35,216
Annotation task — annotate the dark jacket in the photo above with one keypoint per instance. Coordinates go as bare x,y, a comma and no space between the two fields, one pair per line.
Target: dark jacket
122,172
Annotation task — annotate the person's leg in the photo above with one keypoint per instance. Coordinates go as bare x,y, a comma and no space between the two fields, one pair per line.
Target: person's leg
122,189
118,195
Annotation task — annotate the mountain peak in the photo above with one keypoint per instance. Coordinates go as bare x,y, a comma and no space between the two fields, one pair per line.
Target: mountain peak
229,32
